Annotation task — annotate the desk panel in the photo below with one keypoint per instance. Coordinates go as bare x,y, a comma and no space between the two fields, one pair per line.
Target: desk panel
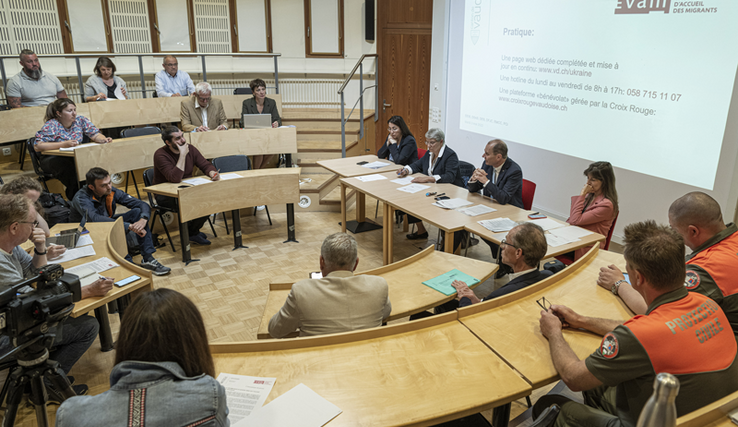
510,324
122,155
245,141
22,123
412,374
130,112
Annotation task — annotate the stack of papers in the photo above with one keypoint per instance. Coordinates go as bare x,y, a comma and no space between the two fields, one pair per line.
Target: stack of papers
452,203
548,223
196,181
72,254
245,394
477,210
413,188
403,181
565,235
498,224
227,176
76,147
375,165
368,178
98,266
299,407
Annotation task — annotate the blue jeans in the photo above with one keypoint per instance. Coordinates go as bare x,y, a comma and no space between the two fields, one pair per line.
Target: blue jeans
145,243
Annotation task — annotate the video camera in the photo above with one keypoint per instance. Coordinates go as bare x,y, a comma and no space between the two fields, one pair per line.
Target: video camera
23,316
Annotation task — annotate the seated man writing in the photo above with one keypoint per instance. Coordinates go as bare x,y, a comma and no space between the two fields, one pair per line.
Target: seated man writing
175,162
18,224
201,112
340,301
683,333
522,250
98,201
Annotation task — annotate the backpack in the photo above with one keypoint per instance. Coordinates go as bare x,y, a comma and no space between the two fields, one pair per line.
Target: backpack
56,209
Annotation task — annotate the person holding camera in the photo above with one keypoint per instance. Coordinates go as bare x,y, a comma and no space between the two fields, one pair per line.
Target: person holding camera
18,224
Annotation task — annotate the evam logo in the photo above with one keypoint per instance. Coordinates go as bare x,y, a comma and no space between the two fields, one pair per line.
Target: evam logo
641,6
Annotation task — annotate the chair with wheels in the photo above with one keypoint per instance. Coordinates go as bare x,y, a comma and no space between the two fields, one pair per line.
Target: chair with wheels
148,177
529,191
43,176
234,163
129,133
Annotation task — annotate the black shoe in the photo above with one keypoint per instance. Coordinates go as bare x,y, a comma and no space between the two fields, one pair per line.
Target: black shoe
546,401
416,236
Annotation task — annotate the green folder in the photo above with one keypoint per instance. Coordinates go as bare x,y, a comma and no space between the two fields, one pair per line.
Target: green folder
443,282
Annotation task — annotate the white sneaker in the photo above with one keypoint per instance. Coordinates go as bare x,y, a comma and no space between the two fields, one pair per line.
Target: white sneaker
260,208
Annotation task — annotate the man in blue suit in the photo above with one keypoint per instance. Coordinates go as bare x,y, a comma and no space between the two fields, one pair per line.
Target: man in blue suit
499,177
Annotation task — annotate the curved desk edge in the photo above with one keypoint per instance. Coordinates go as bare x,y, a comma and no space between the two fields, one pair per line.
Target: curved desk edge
711,413
117,245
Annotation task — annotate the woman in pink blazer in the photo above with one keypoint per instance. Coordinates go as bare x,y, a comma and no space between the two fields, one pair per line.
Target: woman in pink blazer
596,207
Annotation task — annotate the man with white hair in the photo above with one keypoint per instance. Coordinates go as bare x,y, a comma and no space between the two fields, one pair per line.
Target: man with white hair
201,113
338,302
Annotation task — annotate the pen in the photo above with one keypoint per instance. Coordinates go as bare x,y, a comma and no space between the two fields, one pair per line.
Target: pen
430,194
535,213
442,194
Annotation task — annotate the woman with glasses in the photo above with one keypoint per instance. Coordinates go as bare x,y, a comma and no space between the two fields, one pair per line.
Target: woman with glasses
400,146
596,206
104,84
163,373
439,164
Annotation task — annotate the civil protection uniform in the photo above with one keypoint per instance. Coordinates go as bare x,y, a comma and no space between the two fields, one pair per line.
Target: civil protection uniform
683,333
712,270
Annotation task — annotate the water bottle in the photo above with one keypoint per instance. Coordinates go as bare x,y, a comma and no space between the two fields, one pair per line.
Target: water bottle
660,410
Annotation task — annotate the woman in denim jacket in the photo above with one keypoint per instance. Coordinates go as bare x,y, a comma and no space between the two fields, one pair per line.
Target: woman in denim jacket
163,374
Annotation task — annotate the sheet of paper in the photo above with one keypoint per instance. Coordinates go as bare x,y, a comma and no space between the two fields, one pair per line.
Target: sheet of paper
571,232
443,282
403,181
98,266
733,416
548,223
498,224
118,93
245,394
84,240
554,240
87,276
452,203
77,147
299,407
227,176
196,181
413,188
72,254
376,165
368,178
477,210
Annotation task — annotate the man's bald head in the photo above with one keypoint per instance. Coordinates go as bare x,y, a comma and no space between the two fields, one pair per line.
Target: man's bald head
698,209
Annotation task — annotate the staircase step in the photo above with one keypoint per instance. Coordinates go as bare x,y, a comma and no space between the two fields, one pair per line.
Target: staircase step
326,137
322,146
316,182
334,197
322,127
322,114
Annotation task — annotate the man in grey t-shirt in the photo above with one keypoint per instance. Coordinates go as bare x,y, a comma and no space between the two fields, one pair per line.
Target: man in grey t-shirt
32,86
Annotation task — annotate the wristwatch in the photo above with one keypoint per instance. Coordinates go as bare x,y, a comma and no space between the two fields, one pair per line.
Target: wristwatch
39,253
616,286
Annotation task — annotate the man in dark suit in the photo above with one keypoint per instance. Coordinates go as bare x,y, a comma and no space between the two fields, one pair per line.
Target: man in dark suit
439,164
522,249
499,177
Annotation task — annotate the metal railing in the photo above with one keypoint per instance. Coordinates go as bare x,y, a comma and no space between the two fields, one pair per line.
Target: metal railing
360,66
140,64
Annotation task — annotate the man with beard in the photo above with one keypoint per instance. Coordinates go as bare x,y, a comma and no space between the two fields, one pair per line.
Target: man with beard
32,86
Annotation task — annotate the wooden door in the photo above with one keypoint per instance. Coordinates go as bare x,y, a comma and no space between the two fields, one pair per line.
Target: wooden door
404,47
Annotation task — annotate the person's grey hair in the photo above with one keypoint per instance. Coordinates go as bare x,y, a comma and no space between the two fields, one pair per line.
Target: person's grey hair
436,134
13,208
164,60
203,87
339,250
530,239
25,52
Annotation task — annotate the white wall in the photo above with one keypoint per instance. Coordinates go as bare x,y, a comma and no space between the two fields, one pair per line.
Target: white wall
559,176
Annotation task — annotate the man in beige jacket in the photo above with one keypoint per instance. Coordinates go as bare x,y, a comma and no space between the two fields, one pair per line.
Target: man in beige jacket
340,301
201,113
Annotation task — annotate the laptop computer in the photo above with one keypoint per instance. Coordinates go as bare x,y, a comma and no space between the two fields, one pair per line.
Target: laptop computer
68,237
257,121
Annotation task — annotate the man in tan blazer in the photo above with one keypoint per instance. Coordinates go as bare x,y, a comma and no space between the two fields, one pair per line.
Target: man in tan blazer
201,113
340,301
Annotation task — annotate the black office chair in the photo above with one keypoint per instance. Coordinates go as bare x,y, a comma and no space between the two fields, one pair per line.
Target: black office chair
466,170
129,133
148,177
4,107
42,175
243,91
234,163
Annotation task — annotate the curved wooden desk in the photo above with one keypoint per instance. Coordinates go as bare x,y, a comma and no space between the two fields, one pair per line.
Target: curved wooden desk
109,240
412,374
713,415
20,124
510,324
407,293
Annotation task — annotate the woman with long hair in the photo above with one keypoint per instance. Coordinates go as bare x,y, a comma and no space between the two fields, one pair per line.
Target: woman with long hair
400,146
163,374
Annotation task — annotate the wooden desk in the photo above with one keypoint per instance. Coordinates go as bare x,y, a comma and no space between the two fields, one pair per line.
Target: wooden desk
109,240
412,374
20,124
348,168
257,187
109,114
510,324
244,141
448,221
405,278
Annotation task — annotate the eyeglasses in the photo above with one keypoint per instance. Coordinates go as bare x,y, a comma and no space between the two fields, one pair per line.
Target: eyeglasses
171,64
431,142
544,303
35,223
504,242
